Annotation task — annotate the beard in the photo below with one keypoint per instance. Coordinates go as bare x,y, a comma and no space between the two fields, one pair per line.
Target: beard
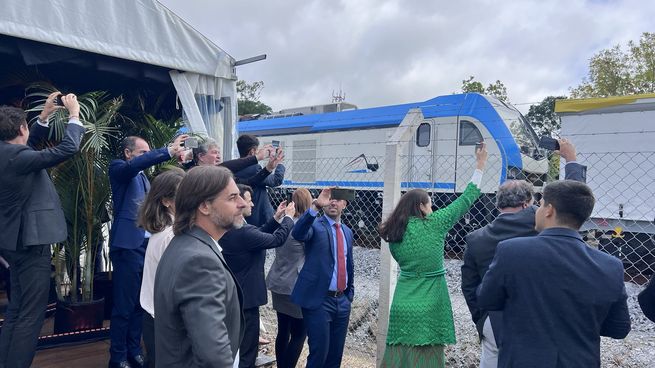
225,221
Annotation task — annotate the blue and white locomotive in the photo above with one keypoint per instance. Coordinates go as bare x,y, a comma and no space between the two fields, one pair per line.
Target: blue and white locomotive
347,149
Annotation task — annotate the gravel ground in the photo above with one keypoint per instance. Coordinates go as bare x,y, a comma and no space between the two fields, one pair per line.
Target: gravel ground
637,350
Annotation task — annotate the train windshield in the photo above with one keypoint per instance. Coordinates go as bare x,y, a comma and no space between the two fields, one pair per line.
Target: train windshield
521,130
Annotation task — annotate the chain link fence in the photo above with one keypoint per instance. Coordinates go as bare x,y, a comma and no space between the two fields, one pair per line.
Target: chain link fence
622,225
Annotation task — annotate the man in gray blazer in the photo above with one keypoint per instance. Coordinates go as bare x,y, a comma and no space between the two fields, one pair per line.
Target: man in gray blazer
31,219
514,201
198,319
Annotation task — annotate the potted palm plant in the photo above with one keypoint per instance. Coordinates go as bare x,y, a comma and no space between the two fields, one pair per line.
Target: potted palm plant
83,187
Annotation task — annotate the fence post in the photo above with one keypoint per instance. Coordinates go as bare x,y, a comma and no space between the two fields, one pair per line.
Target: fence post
392,179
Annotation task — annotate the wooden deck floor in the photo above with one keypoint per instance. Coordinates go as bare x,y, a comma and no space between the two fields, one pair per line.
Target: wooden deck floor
77,356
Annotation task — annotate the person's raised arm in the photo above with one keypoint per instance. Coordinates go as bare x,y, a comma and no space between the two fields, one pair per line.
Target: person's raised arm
572,170
126,170
29,160
302,231
454,211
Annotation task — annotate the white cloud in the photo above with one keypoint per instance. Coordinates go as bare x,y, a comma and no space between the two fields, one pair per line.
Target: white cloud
392,51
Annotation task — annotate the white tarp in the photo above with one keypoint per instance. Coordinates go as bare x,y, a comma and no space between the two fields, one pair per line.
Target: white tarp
144,31
138,30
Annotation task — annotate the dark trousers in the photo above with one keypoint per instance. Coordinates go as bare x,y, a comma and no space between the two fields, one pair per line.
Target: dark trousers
30,285
127,315
250,343
149,338
327,326
291,334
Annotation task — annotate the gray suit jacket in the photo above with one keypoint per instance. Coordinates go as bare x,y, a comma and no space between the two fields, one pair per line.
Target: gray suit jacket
198,315
288,262
30,210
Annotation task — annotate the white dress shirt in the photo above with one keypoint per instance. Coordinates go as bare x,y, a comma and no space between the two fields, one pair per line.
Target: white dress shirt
156,246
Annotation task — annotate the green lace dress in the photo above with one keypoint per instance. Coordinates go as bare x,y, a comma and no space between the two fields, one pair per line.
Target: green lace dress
421,317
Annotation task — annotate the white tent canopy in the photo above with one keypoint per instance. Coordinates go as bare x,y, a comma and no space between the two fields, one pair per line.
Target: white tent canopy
144,31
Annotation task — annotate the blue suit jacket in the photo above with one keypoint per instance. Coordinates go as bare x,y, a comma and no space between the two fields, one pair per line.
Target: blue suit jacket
481,246
263,209
128,190
558,296
314,279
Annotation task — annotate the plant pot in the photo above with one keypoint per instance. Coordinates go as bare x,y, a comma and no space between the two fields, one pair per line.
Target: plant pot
102,288
79,316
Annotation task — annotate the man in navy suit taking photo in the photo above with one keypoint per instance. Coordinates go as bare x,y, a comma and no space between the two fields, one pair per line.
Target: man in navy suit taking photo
127,245
558,295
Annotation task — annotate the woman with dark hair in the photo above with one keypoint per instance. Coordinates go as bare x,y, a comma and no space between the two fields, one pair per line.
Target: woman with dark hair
421,317
156,217
281,278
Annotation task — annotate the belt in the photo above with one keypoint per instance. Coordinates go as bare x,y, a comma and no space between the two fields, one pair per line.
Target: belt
334,294
414,275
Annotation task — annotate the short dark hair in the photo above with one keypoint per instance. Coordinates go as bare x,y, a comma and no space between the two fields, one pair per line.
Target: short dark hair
573,201
245,188
11,119
392,230
514,193
128,143
201,184
154,217
245,143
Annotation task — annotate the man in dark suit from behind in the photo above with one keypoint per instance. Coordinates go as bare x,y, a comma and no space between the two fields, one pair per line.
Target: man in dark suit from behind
198,319
515,202
127,245
248,145
31,219
244,250
558,295
325,286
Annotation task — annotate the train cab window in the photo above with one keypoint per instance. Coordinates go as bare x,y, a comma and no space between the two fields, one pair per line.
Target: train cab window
469,134
423,135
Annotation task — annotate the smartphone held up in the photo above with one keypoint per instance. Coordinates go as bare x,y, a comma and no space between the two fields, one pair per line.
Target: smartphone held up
549,143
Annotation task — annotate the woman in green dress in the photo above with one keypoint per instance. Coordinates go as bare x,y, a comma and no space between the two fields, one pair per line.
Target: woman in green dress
421,317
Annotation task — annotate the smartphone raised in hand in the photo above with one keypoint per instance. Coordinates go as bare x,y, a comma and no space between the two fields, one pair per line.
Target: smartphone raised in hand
276,145
58,101
191,143
549,143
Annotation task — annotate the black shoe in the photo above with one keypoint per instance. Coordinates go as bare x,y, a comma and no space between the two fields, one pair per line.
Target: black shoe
137,361
123,364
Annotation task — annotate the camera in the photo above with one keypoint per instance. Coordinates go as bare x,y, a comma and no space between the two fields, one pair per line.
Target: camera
191,143
58,101
549,143
276,145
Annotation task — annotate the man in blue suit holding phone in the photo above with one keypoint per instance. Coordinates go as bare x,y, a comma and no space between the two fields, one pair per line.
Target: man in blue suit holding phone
325,286
127,244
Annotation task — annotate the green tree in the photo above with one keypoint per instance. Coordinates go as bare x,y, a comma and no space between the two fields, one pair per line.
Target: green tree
542,116
248,101
496,89
620,71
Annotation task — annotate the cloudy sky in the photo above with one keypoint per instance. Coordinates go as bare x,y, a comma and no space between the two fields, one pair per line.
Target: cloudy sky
383,52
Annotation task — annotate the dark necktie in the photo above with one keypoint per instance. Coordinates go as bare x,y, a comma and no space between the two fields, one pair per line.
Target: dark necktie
341,261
